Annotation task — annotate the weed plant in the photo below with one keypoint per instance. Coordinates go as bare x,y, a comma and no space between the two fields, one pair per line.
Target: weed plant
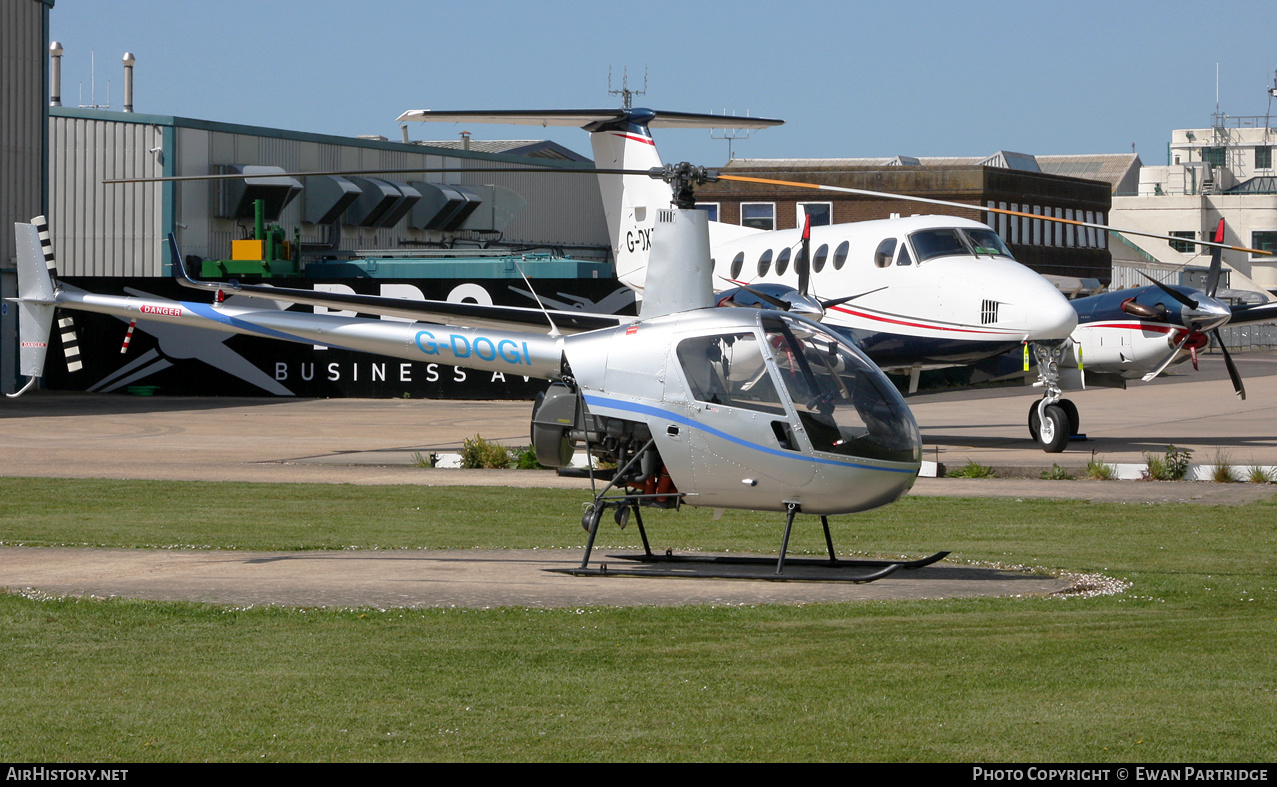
480,454
973,469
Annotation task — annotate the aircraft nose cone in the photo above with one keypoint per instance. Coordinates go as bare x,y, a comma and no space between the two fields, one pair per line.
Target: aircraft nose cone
1051,316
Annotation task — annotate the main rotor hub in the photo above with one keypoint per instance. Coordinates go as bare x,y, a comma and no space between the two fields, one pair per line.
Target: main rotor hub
683,177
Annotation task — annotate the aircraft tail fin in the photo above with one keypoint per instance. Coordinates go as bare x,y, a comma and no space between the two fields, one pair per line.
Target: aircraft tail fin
621,139
36,300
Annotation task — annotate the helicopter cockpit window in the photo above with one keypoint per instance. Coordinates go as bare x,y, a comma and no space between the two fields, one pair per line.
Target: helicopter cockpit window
845,404
882,255
738,262
822,254
764,263
730,370
782,261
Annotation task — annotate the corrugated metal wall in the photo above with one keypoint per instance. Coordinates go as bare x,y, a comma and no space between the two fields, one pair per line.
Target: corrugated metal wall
24,52
105,230
118,230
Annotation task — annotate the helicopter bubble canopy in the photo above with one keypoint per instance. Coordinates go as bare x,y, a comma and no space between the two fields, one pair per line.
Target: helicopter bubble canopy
846,405
786,365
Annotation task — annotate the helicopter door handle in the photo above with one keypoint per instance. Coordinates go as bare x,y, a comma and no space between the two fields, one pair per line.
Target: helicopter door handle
671,430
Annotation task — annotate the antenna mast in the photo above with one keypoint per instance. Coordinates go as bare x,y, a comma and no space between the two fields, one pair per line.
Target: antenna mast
627,95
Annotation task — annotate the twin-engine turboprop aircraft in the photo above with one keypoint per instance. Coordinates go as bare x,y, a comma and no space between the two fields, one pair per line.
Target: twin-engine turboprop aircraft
726,408
924,290
932,289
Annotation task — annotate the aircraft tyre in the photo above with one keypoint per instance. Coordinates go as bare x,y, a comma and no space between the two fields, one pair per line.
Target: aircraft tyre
1070,410
1053,433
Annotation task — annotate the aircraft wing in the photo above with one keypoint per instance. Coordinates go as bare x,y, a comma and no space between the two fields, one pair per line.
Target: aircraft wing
584,117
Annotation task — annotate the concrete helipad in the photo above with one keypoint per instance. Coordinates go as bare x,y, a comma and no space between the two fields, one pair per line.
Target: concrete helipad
375,442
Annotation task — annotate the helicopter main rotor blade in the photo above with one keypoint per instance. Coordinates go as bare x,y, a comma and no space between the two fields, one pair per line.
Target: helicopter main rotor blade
979,209
530,168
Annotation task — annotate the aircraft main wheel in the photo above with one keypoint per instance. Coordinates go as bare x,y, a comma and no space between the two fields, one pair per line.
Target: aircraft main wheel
1052,433
1070,410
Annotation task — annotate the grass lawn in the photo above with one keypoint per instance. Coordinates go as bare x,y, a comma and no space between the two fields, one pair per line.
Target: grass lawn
1181,667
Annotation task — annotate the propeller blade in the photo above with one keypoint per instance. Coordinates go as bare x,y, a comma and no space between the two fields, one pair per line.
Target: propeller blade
803,264
1216,262
1179,296
840,301
1167,360
1232,367
783,305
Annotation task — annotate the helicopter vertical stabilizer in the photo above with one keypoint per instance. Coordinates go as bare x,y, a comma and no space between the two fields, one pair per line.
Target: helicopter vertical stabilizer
35,300
680,264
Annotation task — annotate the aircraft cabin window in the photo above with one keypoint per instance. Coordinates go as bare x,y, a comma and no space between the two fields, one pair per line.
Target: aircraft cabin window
765,263
729,370
882,255
782,261
822,254
738,263
840,254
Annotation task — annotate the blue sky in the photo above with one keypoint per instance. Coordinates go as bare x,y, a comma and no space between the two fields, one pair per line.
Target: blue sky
851,79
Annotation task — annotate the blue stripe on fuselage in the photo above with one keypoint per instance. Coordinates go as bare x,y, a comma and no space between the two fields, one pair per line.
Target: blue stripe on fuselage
644,409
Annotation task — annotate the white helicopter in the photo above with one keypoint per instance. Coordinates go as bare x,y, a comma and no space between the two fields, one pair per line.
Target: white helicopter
723,408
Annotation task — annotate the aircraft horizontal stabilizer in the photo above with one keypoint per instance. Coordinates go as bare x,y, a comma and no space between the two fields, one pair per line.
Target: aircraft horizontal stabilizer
583,117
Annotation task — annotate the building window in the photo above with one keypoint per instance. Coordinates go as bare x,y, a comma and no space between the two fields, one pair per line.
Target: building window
1183,246
1264,157
759,215
1213,156
711,208
1264,240
821,213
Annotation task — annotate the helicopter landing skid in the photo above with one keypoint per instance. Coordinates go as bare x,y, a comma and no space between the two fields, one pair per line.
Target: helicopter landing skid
732,566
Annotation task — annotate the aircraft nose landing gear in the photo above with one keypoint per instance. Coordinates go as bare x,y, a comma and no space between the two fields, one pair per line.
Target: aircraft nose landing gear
1060,424
1052,419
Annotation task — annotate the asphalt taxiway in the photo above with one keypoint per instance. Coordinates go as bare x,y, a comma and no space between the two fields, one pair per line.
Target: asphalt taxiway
360,441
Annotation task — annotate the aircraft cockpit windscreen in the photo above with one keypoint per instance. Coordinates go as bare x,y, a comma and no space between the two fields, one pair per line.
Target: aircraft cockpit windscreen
952,241
845,404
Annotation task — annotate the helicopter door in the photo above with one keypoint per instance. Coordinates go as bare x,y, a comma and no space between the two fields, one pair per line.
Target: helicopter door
742,428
